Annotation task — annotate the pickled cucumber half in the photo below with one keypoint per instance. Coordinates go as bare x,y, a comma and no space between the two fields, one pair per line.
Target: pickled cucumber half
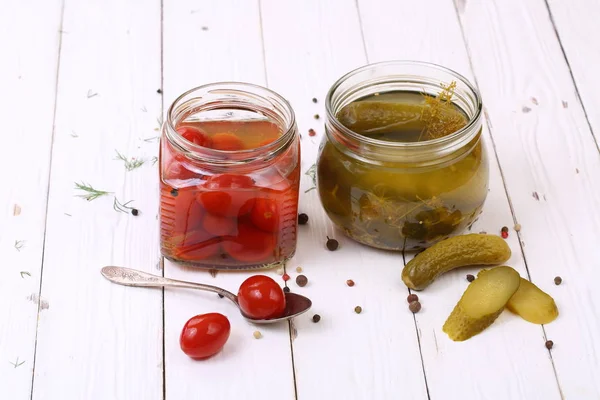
533,304
482,303
458,251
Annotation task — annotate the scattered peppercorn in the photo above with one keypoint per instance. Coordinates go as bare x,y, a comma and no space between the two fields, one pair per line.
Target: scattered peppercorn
316,318
517,227
174,192
414,307
332,244
470,278
314,100
286,289
257,335
350,282
358,309
302,219
135,212
301,280
412,297
311,132
317,116
279,271
504,235
549,344
504,229
298,269
286,277
159,91
557,280
220,295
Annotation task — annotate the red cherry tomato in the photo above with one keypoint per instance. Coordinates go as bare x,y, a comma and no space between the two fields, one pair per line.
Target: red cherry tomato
227,142
188,212
265,214
227,195
195,136
251,244
217,225
204,335
260,297
198,245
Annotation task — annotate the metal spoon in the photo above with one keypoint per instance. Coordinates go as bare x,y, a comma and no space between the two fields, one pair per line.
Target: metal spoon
294,303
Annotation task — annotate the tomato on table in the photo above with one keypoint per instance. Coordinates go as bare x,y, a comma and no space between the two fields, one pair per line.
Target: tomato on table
265,214
195,135
217,225
251,244
227,142
260,297
227,195
204,335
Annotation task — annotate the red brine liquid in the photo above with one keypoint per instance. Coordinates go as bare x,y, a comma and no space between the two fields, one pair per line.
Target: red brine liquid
229,217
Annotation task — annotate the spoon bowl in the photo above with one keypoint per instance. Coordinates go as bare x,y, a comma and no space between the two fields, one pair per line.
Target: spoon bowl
295,304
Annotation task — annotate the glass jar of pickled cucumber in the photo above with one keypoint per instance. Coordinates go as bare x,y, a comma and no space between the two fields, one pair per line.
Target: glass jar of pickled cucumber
229,178
402,164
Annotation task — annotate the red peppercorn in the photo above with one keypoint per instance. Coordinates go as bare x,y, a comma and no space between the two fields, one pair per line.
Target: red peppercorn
504,234
311,132
286,277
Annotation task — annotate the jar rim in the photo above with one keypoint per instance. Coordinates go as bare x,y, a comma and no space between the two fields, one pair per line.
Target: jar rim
448,139
280,106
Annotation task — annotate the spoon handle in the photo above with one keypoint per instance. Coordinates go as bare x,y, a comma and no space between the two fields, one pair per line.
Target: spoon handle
132,277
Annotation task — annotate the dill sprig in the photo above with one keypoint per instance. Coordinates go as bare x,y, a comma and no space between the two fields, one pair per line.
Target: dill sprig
439,114
23,273
90,193
312,173
19,244
154,160
130,163
122,207
17,363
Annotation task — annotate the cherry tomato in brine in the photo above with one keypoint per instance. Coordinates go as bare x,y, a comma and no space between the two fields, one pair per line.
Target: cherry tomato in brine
228,195
197,245
204,335
251,245
260,297
195,136
217,225
227,142
265,214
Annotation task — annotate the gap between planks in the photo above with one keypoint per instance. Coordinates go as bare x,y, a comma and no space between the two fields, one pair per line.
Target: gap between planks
510,202
39,302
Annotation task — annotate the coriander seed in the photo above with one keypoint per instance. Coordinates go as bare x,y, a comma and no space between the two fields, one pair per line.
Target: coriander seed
358,309
414,307
301,280
298,269
412,298
257,335
317,116
557,280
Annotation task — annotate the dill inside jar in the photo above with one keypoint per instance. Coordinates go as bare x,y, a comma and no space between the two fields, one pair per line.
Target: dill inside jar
402,164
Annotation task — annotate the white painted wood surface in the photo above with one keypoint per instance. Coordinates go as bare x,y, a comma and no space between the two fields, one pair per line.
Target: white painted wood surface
90,72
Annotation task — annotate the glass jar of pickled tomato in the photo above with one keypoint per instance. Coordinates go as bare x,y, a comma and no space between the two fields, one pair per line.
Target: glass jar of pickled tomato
229,178
402,164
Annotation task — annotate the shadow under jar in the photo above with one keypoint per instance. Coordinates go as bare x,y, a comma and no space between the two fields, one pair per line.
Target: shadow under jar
229,178
402,165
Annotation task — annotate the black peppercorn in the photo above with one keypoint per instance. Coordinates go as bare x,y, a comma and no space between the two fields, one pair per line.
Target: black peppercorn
470,278
549,344
302,219
220,295
317,116
358,309
316,318
159,91
332,244
135,211
557,280
286,289
174,192
314,100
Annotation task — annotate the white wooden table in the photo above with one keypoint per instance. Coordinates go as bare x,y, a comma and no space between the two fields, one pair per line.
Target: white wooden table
79,80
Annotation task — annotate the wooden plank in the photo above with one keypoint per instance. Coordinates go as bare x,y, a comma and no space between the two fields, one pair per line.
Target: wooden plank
576,23
27,142
97,339
309,45
206,42
546,149
509,359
